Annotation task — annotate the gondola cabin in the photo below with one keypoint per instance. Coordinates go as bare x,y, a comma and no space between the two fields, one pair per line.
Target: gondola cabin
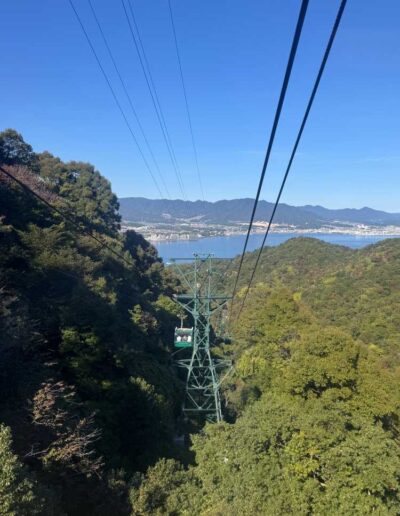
183,337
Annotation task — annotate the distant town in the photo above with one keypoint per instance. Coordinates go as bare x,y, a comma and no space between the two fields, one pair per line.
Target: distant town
161,232
160,220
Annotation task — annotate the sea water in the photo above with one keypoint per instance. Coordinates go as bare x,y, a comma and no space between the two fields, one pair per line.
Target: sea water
230,246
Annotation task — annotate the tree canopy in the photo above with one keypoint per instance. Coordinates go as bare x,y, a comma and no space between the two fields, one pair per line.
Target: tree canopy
81,341
313,406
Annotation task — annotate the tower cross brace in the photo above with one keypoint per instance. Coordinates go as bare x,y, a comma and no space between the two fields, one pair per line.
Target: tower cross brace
203,379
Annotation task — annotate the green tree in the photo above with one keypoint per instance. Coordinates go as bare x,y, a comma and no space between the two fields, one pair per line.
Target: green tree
167,489
76,317
18,491
85,190
91,197
322,439
15,151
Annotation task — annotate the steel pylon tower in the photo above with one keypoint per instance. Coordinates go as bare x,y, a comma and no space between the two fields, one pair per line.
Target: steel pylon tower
204,372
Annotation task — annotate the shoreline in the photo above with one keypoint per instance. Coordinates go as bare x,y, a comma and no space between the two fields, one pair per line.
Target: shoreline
324,231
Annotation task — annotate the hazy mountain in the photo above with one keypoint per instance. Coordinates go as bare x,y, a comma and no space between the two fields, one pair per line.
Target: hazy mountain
239,210
364,215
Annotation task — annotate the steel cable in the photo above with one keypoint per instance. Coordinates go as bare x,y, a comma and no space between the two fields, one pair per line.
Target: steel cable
299,135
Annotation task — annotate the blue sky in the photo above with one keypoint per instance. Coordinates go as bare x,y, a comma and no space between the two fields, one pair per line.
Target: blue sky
233,54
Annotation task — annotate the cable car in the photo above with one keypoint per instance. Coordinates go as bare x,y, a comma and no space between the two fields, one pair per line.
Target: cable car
183,337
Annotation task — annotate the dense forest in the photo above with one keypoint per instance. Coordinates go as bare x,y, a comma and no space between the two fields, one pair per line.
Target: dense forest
89,398
88,395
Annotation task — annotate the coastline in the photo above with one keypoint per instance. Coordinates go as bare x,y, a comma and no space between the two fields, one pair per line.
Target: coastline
388,231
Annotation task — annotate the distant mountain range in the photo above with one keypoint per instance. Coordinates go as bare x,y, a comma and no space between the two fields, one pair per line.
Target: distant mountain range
139,209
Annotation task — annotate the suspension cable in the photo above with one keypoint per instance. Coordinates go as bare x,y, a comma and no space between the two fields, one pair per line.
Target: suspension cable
299,135
153,94
154,89
196,158
124,87
289,66
115,98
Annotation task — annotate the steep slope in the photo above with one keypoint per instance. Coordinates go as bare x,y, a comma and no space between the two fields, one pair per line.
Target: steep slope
357,290
85,381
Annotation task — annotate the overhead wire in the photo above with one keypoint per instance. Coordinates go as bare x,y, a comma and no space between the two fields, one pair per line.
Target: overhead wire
65,216
153,92
186,100
128,96
151,81
289,66
119,106
297,141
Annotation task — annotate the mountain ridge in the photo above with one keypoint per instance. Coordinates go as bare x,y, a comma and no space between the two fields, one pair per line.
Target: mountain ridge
236,211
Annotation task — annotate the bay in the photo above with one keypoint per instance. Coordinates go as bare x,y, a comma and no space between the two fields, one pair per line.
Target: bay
230,246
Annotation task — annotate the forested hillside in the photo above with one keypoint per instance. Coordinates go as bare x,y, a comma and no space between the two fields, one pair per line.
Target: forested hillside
87,393
356,290
313,406
90,403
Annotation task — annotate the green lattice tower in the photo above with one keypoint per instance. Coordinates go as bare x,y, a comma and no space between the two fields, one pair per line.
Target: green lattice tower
203,378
